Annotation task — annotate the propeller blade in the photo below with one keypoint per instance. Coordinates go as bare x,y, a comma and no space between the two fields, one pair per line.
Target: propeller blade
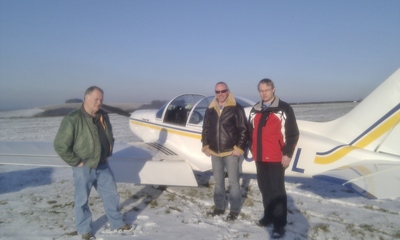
116,110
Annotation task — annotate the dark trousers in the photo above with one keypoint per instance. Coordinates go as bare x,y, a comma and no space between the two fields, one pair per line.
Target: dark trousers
271,182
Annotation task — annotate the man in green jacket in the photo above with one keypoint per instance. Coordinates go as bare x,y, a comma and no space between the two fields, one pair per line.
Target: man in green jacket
85,141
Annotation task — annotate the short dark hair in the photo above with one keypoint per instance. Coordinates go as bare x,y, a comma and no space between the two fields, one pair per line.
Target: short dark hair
91,89
267,81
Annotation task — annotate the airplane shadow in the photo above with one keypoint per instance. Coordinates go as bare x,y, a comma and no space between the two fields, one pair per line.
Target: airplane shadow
204,179
17,180
297,225
321,188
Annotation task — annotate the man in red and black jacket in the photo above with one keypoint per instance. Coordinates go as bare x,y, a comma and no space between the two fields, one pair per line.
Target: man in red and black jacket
273,138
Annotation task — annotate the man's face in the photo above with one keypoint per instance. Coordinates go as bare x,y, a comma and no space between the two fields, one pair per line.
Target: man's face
266,92
93,101
221,93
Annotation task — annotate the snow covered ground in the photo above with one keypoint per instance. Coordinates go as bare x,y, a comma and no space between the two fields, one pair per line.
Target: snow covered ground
37,202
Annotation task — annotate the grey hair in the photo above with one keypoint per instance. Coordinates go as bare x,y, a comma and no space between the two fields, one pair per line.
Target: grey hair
91,89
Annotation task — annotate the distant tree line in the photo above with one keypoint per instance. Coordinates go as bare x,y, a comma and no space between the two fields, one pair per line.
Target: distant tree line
303,103
55,112
74,100
62,111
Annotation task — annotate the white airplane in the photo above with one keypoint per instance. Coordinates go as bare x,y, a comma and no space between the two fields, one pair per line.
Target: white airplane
360,150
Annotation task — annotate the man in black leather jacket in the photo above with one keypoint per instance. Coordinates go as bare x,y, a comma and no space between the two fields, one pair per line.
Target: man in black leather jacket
224,138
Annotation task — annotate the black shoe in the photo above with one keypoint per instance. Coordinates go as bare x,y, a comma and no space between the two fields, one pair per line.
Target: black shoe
216,212
278,232
264,222
232,216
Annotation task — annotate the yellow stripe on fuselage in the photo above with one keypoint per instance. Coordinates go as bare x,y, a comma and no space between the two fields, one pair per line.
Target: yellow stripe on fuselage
379,131
336,155
167,129
362,143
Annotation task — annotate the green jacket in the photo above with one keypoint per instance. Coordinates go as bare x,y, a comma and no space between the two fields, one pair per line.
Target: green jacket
77,139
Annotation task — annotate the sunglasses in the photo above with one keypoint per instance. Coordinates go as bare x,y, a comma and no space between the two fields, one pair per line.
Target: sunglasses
222,91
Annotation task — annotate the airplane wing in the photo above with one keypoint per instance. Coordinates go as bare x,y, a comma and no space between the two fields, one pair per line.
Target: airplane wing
30,153
370,178
138,163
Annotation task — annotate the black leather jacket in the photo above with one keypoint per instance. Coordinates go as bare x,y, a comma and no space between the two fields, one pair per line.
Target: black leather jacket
226,131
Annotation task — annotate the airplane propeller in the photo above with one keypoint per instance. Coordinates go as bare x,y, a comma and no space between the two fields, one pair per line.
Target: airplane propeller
116,110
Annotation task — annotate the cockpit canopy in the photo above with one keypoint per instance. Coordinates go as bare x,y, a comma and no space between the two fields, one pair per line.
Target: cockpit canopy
190,109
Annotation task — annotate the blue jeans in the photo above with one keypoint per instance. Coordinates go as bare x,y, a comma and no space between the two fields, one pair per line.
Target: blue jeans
231,165
102,179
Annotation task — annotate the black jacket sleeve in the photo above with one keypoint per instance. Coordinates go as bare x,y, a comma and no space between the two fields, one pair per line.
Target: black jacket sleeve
291,132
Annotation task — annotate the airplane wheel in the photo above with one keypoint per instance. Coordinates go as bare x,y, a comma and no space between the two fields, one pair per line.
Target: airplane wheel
160,187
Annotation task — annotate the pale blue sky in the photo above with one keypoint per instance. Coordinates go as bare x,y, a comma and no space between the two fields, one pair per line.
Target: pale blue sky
138,51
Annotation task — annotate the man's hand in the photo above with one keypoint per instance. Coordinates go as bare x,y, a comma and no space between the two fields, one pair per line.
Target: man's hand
207,152
236,153
286,161
80,164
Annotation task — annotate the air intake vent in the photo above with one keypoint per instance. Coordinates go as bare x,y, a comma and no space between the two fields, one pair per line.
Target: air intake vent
162,149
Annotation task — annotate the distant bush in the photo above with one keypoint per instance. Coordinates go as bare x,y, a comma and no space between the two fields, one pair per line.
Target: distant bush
74,100
55,112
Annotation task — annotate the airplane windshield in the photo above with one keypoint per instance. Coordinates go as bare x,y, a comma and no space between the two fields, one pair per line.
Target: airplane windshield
160,111
178,110
199,111
190,108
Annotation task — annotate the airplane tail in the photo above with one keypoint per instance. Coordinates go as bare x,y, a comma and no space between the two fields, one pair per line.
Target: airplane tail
374,124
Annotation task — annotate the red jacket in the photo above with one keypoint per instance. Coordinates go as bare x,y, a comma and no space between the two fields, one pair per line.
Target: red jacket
273,131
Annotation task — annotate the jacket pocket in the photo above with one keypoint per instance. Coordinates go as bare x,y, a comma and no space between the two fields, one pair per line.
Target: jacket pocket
82,148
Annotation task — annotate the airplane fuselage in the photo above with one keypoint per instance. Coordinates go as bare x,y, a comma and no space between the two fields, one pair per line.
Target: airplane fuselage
312,156
359,150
